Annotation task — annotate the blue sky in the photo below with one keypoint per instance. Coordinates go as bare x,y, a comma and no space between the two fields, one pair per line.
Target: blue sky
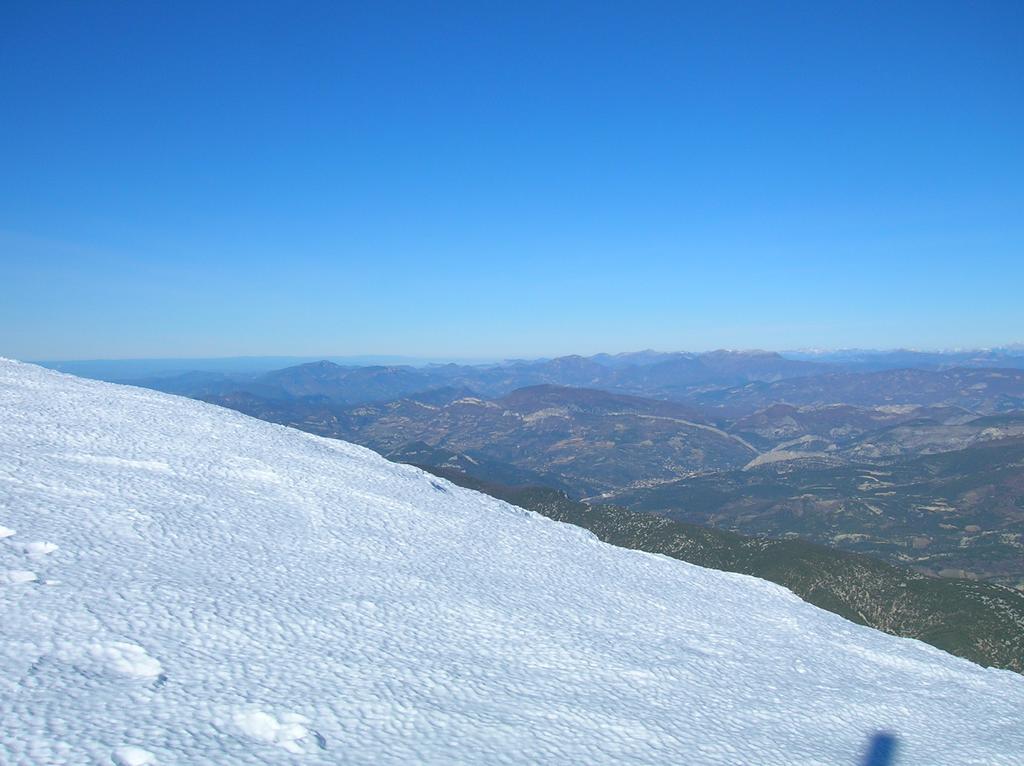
508,179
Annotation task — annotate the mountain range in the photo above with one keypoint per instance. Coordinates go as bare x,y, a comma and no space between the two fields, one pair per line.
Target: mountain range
750,362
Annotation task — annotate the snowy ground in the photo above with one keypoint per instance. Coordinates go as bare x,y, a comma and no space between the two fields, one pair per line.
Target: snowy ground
183,584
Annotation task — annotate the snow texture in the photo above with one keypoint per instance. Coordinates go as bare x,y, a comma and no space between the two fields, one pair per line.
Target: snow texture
230,591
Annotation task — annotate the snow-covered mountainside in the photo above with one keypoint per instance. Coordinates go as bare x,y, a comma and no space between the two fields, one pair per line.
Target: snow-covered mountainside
180,583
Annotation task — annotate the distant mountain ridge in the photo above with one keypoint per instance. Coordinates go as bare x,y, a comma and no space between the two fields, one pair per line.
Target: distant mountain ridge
710,366
644,374
1011,356
724,384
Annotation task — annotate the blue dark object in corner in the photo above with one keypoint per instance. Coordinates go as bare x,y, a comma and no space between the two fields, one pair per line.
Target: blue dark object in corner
882,750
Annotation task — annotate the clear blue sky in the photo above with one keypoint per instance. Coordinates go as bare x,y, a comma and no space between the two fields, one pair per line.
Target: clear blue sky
497,179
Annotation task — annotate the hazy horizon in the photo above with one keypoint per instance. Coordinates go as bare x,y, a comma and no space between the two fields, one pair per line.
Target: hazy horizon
426,359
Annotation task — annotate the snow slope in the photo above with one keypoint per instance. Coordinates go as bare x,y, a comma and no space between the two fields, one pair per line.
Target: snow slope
183,584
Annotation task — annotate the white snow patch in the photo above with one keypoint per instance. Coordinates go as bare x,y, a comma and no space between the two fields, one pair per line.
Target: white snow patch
127,659
285,733
17,576
5,532
130,755
38,550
